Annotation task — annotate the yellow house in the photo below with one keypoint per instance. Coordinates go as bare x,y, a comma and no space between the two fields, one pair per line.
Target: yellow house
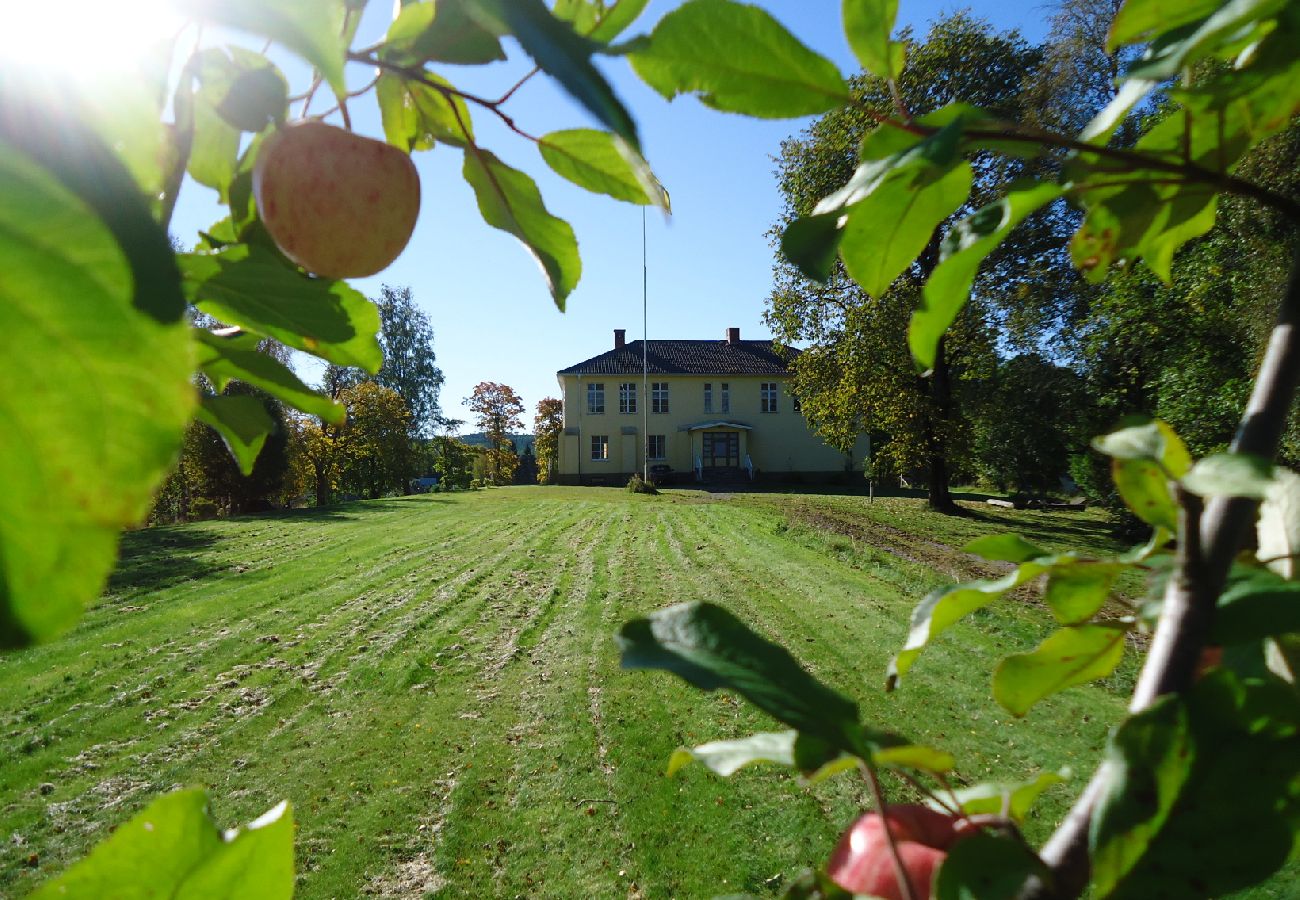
709,410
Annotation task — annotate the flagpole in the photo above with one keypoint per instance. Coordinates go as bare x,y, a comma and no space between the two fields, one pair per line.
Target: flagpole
645,364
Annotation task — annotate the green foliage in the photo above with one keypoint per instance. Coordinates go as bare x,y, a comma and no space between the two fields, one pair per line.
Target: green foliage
174,849
548,425
1074,655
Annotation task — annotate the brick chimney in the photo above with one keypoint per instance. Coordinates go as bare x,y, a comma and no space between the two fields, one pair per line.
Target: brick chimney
733,335
620,337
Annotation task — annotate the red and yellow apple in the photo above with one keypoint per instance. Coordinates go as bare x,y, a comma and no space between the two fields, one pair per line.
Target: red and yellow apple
338,204
861,862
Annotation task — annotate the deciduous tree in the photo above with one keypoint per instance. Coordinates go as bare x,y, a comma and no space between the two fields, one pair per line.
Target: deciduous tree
497,410
548,425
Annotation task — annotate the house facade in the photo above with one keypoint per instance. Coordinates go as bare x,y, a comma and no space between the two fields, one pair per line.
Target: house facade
709,410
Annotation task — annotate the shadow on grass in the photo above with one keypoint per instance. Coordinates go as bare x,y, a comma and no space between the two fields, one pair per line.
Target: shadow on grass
156,558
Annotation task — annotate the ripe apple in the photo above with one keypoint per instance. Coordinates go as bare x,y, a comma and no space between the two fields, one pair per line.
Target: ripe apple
337,204
861,862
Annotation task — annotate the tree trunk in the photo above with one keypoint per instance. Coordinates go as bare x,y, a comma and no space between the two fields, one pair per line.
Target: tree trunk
937,423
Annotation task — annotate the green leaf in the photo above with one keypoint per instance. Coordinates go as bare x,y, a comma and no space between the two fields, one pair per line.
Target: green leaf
811,244
509,200
1230,475
418,35
312,30
247,286
215,152
961,253
1278,527
1140,220
562,54
95,391
915,756
1139,19
888,229
416,115
243,423
223,357
1149,759
1144,487
602,163
599,20
1230,28
737,58
1164,828
173,849
57,137
1077,590
986,866
867,25
944,607
710,648
1149,439
1004,548
725,758
1074,655
1256,604
992,798
242,87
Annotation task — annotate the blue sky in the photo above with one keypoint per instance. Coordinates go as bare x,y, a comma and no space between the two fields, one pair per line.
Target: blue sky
709,266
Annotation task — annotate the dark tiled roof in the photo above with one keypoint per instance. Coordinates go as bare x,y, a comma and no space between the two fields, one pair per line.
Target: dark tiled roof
689,358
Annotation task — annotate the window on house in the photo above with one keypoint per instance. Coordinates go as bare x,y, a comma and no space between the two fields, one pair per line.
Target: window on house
655,446
794,401
600,446
767,396
658,396
708,397
627,397
726,397
595,398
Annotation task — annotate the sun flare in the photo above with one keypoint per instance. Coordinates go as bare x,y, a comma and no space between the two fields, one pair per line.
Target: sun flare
83,39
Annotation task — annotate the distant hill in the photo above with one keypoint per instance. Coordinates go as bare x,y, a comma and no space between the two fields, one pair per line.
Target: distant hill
481,440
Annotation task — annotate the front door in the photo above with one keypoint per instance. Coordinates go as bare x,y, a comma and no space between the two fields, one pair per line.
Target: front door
721,450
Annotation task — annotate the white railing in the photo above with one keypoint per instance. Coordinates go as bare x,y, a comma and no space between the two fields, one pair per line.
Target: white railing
749,467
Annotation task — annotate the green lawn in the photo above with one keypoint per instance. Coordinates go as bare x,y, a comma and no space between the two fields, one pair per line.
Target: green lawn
432,682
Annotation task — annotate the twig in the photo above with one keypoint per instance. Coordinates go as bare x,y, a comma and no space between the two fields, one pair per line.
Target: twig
517,85
900,873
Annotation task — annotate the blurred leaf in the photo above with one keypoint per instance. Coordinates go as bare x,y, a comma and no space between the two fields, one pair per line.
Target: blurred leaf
1074,655
1278,528
1076,591
811,244
416,115
418,36
597,19
725,758
890,228
963,249
1144,487
867,25
562,54
710,648
173,849
1139,19
1015,798
944,607
243,423
1230,475
986,866
509,200
1151,439
95,391
737,58
1004,548
1255,604
226,357
312,30
915,756
602,163
1224,32
214,153
247,286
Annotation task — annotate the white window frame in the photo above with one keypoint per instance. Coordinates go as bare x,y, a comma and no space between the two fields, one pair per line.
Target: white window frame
726,397
659,397
595,398
708,396
627,398
600,448
768,391
650,446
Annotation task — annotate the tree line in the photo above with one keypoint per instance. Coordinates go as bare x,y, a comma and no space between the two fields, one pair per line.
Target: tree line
1042,358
